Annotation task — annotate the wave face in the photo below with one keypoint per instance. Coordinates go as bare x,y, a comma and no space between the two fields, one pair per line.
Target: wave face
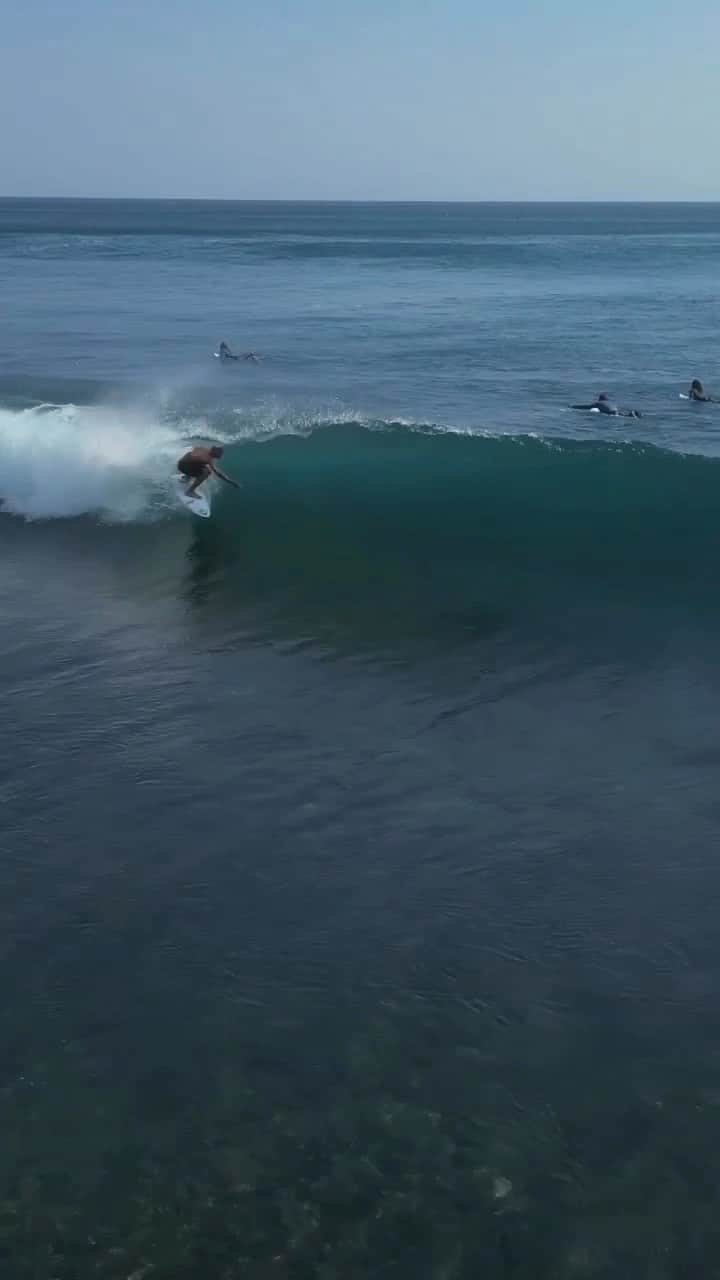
473,523
384,528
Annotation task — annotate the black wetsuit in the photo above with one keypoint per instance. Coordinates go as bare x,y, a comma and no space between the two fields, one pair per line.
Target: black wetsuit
602,406
609,409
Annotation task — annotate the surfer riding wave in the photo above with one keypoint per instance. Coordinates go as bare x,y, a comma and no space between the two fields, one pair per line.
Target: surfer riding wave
198,465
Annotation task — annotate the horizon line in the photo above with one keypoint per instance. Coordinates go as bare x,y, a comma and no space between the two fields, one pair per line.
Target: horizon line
327,200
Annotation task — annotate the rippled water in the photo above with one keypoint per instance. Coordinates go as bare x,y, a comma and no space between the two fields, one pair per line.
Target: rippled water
358,846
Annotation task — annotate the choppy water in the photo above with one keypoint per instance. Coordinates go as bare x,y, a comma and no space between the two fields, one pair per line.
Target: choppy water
358,847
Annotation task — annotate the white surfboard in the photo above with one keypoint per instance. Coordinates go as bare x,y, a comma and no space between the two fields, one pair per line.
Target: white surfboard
199,504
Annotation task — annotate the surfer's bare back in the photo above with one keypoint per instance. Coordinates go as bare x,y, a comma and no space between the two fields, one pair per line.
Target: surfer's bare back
198,464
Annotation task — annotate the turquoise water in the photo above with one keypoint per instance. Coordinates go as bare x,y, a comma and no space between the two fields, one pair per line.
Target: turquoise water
358,854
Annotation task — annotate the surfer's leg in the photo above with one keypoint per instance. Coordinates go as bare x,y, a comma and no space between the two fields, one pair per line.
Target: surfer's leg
198,481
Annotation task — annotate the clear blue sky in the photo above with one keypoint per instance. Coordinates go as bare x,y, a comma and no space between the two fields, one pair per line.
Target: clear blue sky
404,99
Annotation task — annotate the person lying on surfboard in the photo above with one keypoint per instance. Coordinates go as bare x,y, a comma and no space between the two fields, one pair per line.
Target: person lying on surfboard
225,353
198,464
603,404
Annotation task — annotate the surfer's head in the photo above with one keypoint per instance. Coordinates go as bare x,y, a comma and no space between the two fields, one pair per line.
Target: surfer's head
603,395
696,385
217,451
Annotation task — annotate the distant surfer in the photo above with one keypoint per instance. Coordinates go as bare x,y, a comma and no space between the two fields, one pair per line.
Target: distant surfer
697,392
225,353
603,404
198,464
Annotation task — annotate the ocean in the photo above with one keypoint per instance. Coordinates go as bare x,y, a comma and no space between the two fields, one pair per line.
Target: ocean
359,846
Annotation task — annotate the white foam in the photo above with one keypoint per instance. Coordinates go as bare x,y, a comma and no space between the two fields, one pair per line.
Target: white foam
63,460
272,417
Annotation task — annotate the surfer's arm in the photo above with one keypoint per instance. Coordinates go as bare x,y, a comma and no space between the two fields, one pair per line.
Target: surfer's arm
221,476
582,406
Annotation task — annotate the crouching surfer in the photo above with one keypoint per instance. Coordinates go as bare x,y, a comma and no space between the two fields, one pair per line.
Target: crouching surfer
198,465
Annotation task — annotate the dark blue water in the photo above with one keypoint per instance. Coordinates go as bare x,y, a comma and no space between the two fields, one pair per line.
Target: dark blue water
358,846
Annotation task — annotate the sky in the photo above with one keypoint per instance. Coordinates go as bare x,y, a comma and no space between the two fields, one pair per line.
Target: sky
362,100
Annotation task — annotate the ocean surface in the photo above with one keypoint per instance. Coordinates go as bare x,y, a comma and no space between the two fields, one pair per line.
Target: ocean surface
360,846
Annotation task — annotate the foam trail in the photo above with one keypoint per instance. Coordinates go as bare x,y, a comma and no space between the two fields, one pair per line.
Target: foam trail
62,460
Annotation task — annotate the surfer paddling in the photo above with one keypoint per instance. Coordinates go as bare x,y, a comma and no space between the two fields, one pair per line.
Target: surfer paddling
603,404
225,353
198,464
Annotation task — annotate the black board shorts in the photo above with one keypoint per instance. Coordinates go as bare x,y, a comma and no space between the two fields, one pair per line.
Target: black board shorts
192,467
